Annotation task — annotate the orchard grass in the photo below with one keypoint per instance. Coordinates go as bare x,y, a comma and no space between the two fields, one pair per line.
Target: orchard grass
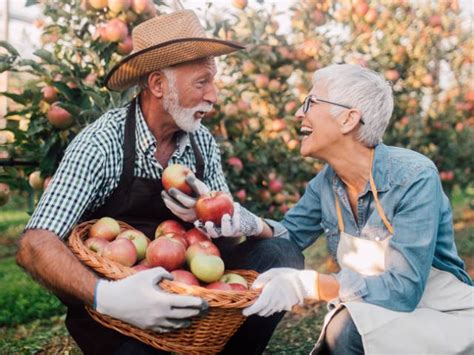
32,319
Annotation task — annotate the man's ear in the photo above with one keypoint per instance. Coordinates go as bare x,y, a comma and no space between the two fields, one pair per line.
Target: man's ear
350,120
156,83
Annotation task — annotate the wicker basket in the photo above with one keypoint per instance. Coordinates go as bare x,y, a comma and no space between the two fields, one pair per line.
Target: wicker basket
207,335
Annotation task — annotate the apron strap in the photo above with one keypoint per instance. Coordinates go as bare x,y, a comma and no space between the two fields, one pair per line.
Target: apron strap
198,157
129,145
378,206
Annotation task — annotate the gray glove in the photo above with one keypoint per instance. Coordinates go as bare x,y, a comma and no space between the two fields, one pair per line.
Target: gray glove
241,223
139,300
182,205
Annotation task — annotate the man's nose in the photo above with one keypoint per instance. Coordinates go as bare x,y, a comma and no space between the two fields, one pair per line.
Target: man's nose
299,115
211,94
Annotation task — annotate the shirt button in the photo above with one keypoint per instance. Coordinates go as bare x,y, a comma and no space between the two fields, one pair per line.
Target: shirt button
327,230
377,239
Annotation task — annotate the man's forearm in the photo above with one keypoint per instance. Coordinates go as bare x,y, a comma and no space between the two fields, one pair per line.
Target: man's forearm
45,257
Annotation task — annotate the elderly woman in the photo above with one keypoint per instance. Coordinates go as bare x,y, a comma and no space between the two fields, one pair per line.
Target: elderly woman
401,287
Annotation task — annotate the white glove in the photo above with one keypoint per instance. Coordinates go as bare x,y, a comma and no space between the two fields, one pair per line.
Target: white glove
139,300
182,205
282,289
241,223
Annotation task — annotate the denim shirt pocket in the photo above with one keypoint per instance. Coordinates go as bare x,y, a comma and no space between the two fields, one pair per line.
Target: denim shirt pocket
375,233
331,231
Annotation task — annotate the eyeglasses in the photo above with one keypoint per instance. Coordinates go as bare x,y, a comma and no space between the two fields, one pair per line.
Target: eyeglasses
313,99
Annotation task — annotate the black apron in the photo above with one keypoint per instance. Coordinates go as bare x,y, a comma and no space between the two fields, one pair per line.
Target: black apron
136,201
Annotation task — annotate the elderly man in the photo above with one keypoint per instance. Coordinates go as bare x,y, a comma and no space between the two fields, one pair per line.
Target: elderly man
113,168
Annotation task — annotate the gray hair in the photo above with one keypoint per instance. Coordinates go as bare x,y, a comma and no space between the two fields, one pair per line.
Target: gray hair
361,88
169,73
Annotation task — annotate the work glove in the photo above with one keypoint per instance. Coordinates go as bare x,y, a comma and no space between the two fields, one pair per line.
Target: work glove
139,300
282,289
241,223
181,204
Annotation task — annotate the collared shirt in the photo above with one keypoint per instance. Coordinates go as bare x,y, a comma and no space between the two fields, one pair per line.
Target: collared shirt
92,165
411,195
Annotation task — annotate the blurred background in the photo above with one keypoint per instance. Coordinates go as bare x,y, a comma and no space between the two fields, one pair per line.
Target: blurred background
54,56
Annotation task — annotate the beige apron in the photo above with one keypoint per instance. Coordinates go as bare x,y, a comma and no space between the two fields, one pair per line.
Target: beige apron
442,323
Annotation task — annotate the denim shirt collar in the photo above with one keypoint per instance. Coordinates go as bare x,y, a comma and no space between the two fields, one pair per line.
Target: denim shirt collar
146,141
381,171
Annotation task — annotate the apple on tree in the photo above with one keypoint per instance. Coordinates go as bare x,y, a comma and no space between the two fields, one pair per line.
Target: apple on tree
213,205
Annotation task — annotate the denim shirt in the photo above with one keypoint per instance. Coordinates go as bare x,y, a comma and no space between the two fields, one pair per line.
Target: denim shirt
411,195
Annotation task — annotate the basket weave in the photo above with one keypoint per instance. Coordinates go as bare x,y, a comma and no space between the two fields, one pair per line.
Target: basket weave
206,335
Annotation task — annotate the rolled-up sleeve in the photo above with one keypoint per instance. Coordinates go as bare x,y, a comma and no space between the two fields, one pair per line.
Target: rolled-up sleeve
410,253
72,189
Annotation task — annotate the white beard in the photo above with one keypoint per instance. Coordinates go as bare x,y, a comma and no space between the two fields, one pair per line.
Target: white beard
184,117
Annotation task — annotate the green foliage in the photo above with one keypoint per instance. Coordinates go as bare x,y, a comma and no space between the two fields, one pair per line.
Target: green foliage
21,298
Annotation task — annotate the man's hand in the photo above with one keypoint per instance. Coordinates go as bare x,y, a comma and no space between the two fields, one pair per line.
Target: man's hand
139,300
182,205
282,289
241,223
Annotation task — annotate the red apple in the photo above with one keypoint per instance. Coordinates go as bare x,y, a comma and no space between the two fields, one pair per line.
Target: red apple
205,247
140,6
138,239
169,226
219,285
232,278
50,94
166,252
207,268
105,228
275,186
238,287
98,4
117,6
116,30
47,181
236,163
59,117
185,277
125,46
96,244
240,4
4,193
179,237
121,251
140,267
213,205
175,176
195,235
35,180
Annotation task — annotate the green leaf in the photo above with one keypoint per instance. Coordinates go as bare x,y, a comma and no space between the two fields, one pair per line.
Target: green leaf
4,67
9,48
21,99
37,67
31,3
47,56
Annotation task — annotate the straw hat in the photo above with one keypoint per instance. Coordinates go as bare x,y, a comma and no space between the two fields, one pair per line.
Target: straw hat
164,41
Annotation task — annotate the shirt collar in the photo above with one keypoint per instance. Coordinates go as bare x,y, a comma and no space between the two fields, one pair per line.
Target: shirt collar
381,171
146,141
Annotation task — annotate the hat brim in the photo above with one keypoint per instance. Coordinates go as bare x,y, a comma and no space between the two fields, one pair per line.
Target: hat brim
127,72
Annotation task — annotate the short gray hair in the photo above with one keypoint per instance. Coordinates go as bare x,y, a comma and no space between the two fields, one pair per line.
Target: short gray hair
168,72
360,88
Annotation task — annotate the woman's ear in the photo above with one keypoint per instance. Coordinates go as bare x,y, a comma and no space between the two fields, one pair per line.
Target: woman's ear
350,120
156,83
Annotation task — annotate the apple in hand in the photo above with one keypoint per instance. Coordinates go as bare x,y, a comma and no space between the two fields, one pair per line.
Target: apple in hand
106,228
169,226
213,205
138,239
219,285
234,279
175,176
166,252
185,277
96,244
207,268
122,251
206,247
194,235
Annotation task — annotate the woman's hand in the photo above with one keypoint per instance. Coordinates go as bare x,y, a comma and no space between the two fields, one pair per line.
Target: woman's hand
282,289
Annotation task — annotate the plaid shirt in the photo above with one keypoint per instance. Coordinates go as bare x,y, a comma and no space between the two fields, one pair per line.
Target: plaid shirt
92,165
